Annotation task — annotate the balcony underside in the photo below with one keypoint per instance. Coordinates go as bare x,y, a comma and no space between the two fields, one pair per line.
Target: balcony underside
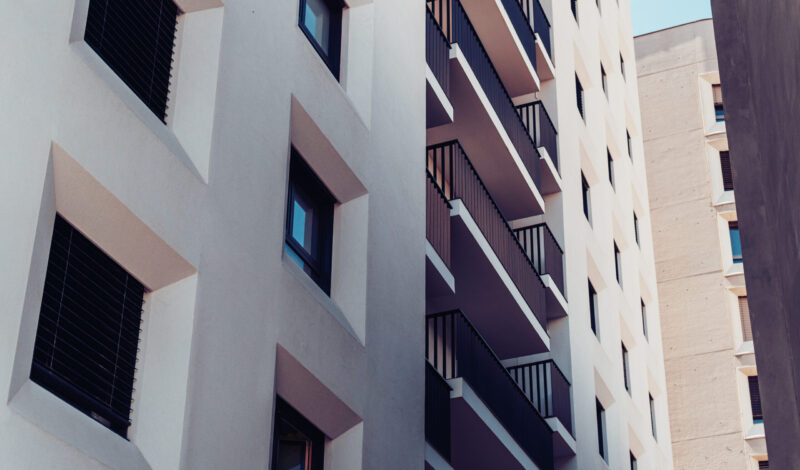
563,443
502,43
544,64
551,180
479,130
479,440
438,110
556,303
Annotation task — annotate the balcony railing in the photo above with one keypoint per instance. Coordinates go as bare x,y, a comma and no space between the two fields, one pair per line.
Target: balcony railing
540,126
533,9
456,25
437,51
543,250
454,174
437,226
456,350
437,411
546,387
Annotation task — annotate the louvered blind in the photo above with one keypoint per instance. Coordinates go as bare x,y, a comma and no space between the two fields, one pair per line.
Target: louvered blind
744,314
88,333
727,173
755,397
136,39
763,464
717,92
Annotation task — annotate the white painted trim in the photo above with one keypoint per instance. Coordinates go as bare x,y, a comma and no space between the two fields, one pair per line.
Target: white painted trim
544,157
558,428
439,92
438,263
435,460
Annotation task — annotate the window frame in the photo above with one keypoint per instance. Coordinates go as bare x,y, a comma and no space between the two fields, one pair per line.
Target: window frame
626,377
333,60
653,426
586,198
611,175
594,319
726,169
636,229
634,464
604,79
602,436
756,410
630,143
644,319
285,412
622,66
618,263
580,97
734,225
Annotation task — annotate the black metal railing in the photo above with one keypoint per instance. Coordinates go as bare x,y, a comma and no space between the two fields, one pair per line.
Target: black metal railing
437,51
455,176
523,27
437,411
456,25
547,388
538,123
544,251
534,13
456,350
437,223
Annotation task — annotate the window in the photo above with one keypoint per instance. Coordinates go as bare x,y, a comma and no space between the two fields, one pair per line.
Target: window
321,21
727,172
604,80
636,228
594,321
618,263
88,332
630,144
653,416
634,465
587,200
136,40
579,97
755,399
309,223
644,319
736,243
719,109
602,445
626,376
610,169
622,65
599,9
744,315
297,444
763,464
574,5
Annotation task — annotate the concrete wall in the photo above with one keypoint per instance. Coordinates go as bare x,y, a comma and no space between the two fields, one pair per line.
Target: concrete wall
757,45
232,320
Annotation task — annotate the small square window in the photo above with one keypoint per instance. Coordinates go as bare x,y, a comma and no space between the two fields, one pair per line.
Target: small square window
736,243
297,444
321,21
309,223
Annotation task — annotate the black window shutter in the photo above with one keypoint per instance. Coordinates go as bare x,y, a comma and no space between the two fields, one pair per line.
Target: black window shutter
763,464
88,333
755,397
136,39
727,173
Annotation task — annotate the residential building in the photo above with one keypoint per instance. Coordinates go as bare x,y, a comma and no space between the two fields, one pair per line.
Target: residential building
713,388
540,351
763,138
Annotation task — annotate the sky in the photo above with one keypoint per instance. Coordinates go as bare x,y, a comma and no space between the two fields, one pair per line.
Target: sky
652,15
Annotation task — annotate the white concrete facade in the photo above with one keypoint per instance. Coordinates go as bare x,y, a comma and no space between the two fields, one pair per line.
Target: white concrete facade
196,209
707,354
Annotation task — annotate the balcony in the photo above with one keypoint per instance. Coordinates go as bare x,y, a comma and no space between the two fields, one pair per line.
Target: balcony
492,271
439,281
486,121
548,389
540,127
437,412
541,27
547,257
493,422
438,109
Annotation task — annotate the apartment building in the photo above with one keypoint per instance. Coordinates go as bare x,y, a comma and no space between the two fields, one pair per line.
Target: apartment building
210,212
543,340
713,387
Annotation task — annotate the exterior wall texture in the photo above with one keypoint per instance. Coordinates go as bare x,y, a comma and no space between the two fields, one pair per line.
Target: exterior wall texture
707,359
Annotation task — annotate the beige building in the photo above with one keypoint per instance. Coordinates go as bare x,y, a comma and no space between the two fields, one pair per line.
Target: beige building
715,410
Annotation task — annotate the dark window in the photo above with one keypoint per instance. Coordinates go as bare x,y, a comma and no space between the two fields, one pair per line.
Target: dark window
321,21
618,263
602,445
610,169
309,223
579,96
763,464
744,314
755,399
599,8
88,333
574,5
736,243
719,108
587,201
297,444
636,228
622,65
630,144
626,376
594,321
604,80
136,39
634,465
644,319
727,172
653,415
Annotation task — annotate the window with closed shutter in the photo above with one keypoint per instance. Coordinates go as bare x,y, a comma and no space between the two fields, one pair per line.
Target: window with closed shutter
755,399
88,333
727,173
744,314
136,39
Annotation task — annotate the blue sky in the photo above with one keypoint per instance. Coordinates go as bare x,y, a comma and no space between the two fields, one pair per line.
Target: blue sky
652,15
